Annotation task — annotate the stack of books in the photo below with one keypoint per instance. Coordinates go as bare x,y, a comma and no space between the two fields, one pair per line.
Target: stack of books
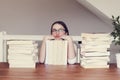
94,50
22,54
56,52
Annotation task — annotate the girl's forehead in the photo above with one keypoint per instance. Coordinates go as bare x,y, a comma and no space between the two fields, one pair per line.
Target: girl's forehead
57,26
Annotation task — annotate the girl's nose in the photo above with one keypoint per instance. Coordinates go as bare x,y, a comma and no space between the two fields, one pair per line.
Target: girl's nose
57,32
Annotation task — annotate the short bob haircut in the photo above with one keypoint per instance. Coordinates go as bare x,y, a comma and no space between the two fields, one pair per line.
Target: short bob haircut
61,23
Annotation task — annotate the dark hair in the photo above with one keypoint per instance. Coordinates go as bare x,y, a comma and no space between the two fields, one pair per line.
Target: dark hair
61,23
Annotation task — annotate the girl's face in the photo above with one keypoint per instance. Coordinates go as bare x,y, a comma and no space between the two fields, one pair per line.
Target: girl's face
58,31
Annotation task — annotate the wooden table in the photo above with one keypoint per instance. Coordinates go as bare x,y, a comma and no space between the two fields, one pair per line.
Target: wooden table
69,72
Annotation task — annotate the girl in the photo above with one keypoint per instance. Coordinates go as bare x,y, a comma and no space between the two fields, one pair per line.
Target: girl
59,31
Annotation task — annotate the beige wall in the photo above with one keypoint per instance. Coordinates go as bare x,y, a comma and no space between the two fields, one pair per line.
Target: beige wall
36,17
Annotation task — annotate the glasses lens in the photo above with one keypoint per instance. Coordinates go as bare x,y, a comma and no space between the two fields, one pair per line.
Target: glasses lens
59,30
54,30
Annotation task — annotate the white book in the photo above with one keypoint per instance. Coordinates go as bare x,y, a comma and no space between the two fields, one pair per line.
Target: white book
21,61
95,66
20,42
56,52
95,57
91,36
22,57
23,45
94,50
25,51
95,61
22,48
97,46
13,65
97,54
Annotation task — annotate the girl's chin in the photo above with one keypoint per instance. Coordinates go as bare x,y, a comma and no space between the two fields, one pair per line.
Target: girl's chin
57,38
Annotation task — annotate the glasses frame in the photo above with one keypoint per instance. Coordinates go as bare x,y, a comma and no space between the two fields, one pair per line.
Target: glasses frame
59,30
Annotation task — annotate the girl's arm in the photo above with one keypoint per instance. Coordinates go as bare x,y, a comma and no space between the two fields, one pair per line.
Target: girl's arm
43,49
71,50
42,52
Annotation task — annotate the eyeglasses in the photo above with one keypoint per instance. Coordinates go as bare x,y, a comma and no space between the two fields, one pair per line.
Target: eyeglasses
59,30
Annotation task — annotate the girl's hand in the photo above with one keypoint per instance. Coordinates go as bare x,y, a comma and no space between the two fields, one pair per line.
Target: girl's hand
49,37
65,37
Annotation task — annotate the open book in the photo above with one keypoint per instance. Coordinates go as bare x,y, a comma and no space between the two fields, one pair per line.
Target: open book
56,52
